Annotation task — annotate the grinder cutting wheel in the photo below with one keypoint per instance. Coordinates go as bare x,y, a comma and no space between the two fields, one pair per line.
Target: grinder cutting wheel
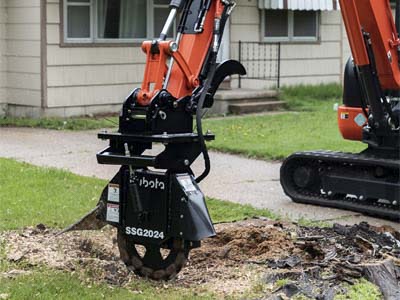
154,201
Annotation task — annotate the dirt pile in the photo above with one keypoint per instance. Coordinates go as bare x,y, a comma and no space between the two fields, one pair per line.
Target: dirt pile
313,261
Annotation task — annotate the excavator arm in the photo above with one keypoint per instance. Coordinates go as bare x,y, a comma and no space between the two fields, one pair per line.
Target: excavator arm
154,200
375,45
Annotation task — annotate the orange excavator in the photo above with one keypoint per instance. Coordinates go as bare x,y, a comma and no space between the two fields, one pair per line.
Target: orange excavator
367,182
155,202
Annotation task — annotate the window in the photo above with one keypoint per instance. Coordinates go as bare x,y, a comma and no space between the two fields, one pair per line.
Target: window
289,25
113,20
78,19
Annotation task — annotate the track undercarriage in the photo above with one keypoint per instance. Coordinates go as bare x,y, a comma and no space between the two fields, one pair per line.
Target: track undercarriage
367,182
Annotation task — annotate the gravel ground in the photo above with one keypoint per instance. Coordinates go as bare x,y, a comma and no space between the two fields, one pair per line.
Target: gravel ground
232,178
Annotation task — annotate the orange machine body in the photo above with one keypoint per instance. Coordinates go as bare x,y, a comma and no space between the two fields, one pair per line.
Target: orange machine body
374,17
351,121
188,61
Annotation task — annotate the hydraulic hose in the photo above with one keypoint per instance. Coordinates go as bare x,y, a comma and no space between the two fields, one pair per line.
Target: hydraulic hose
199,116
207,85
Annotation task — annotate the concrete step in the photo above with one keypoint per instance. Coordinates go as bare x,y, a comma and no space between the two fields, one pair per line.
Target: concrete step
245,95
256,107
224,99
225,85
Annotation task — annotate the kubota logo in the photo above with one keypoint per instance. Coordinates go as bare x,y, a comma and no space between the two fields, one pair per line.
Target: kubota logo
152,184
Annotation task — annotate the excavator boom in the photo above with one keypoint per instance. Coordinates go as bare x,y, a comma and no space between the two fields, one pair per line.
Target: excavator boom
154,200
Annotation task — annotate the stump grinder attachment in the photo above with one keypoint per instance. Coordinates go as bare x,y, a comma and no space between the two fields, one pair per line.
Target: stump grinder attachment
154,200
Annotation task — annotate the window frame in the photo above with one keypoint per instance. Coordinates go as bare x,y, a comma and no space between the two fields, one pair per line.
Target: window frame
290,38
67,4
94,39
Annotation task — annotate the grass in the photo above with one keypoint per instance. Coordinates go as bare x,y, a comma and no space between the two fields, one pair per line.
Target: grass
224,211
57,198
50,284
362,290
61,124
305,222
46,284
282,282
309,97
311,125
34,195
277,136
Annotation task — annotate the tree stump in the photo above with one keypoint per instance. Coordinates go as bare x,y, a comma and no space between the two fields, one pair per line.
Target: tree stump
386,275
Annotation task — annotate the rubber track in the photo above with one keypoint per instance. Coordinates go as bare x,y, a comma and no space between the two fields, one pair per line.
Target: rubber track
391,212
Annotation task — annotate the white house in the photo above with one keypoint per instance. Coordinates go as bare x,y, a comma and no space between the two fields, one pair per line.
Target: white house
76,57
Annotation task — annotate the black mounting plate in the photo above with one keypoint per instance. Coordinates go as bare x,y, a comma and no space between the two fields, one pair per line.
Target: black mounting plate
181,149
109,157
155,138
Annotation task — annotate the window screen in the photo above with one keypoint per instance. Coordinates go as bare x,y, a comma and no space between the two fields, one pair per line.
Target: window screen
113,20
276,23
78,16
290,25
161,12
121,19
304,24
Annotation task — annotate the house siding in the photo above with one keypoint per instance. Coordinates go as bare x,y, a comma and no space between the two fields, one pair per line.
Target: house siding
22,56
3,61
87,80
301,63
40,75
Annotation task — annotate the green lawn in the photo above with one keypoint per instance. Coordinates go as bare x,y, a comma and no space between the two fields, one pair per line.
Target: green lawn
362,290
31,195
57,198
277,136
60,123
310,125
44,284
